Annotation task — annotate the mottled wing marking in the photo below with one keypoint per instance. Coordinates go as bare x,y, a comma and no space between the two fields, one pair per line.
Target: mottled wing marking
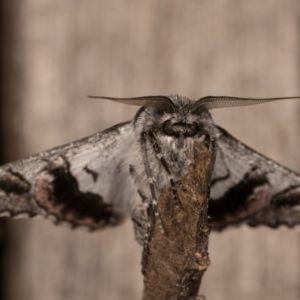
284,210
15,197
247,186
84,183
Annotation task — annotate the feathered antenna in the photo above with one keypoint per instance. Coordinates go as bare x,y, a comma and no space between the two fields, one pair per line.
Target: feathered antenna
211,102
160,102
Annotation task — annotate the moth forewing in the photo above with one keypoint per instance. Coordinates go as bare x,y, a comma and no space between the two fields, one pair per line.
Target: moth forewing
75,183
251,188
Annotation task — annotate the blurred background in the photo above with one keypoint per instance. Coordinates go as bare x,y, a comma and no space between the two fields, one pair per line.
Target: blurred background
54,53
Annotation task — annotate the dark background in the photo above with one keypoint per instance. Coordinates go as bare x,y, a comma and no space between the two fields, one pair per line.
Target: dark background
55,52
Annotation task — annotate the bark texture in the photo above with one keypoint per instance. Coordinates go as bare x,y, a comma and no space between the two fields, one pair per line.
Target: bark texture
175,261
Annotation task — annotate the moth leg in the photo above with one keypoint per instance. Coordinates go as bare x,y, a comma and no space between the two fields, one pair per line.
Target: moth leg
159,155
152,203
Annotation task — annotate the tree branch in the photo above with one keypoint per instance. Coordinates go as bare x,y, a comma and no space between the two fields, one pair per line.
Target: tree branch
175,261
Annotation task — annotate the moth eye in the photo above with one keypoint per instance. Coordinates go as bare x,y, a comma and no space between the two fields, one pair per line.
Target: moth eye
192,129
168,128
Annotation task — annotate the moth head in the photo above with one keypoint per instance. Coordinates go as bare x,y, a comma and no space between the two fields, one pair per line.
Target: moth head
169,117
180,118
183,123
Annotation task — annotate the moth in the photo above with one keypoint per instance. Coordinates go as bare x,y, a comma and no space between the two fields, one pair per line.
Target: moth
97,181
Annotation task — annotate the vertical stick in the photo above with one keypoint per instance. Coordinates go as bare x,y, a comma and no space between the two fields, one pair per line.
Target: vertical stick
176,260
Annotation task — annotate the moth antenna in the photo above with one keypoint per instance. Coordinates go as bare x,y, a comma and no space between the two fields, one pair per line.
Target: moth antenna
211,102
159,102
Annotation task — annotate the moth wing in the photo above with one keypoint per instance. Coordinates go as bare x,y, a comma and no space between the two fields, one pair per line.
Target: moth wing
251,188
83,183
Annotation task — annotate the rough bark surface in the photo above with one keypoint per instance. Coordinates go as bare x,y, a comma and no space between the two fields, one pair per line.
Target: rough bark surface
175,261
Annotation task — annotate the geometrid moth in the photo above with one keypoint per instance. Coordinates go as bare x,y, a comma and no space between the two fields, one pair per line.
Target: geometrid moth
97,181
